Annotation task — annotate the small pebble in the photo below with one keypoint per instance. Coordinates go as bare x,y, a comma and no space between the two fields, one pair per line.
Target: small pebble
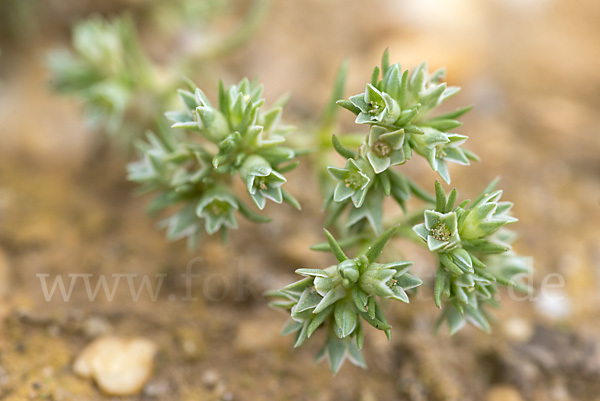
503,393
210,379
517,329
96,326
553,304
119,366
156,389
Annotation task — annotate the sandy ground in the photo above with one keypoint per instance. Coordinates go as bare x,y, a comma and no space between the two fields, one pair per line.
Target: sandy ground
530,67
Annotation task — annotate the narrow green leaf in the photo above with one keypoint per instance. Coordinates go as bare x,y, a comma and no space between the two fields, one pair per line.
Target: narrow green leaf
348,105
302,335
385,62
359,335
443,125
377,247
251,215
420,192
290,200
485,192
318,319
290,327
451,201
360,298
454,114
440,197
344,152
312,272
335,247
439,285
375,76
330,114
385,183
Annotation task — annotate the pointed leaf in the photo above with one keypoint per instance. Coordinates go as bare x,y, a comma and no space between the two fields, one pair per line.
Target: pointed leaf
377,247
335,247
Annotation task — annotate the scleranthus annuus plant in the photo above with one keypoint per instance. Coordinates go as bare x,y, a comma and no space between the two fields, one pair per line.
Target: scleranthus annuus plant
470,242
192,168
109,71
235,138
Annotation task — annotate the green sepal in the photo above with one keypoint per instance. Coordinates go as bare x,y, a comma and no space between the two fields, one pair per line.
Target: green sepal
346,318
312,272
318,319
360,298
443,125
290,327
335,294
348,105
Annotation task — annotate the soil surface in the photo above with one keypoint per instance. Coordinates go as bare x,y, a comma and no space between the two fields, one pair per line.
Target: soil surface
530,67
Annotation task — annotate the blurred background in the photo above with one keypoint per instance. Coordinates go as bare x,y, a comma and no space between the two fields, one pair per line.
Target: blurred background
530,67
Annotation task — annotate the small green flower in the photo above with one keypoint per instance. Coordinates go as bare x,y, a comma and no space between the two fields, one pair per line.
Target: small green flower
375,107
262,182
352,181
486,217
342,295
388,280
384,148
218,208
439,230
439,148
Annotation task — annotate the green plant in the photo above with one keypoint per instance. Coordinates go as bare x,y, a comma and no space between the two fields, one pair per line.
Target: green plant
195,171
122,90
192,168
470,241
343,294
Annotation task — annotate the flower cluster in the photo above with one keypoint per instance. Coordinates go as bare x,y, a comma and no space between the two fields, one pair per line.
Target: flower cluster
343,294
467,240
397,106
236,138
111,74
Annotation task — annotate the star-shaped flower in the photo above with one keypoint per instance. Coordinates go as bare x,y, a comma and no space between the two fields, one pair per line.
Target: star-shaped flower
218,208
375,107
384,148
439,230
262,182
439,148
352,181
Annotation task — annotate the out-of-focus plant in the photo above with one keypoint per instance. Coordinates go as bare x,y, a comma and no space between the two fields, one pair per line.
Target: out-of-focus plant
122,90
235,138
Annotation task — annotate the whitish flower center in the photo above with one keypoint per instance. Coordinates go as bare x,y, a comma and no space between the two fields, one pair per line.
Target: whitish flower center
381,148
440,232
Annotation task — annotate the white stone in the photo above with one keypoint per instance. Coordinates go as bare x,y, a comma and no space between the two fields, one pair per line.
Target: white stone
553,304
119,366
518,329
